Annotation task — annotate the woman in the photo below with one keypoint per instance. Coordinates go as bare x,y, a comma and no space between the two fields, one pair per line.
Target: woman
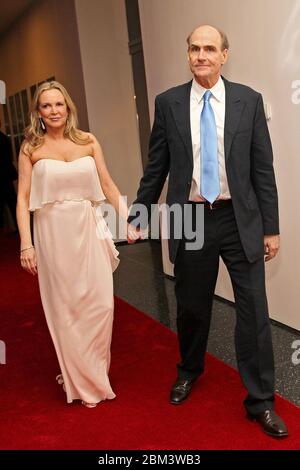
63,178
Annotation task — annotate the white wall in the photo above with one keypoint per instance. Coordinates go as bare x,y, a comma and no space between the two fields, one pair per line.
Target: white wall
264,38
107,72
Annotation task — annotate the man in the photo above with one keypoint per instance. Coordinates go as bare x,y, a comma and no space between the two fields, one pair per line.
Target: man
211,136
8,174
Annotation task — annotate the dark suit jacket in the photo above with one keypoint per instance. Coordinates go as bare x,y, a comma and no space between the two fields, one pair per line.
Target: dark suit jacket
8,173
248,157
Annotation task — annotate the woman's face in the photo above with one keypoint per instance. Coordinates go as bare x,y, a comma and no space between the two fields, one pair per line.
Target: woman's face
53,109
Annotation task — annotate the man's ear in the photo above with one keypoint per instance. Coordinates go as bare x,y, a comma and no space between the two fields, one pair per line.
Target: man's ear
225,56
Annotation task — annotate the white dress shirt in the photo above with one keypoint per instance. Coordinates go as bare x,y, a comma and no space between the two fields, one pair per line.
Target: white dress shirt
217,101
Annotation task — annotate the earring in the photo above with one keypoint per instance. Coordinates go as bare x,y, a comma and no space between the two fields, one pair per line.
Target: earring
42,124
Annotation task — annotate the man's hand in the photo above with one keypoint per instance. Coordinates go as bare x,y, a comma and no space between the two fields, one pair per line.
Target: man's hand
133,234
271,244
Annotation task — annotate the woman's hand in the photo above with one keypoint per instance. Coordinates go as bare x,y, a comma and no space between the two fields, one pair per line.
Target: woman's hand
28,260
133,234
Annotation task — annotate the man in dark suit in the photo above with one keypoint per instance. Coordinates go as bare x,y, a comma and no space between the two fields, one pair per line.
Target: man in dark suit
8,174
210,135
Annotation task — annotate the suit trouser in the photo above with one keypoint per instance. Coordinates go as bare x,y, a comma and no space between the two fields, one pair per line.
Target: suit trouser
196,274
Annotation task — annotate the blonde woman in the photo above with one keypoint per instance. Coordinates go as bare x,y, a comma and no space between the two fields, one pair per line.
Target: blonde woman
62,179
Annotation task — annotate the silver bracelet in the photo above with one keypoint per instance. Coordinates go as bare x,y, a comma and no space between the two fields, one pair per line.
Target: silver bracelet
24,249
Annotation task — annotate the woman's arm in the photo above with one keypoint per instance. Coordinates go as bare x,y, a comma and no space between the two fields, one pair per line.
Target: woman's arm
109,188
28,258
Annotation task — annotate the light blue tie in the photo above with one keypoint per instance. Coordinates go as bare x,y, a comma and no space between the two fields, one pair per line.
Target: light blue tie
209,178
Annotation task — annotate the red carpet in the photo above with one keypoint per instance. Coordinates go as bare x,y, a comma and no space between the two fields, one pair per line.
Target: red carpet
34,414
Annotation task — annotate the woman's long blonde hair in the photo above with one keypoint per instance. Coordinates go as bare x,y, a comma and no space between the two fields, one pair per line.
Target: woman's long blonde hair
34,134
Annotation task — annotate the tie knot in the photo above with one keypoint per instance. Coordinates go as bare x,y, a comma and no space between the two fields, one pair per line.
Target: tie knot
207,95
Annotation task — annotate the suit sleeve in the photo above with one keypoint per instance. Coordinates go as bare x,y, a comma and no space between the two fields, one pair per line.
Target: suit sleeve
157,168
262,171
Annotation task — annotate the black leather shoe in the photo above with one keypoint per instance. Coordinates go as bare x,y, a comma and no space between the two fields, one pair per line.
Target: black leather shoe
181,390
271,423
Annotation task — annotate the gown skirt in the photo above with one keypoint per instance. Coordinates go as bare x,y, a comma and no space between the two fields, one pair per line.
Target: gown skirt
75,258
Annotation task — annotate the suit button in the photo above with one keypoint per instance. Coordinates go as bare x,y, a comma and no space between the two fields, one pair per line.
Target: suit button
189,184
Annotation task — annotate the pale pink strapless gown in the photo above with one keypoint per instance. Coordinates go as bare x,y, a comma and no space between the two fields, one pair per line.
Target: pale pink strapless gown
75,258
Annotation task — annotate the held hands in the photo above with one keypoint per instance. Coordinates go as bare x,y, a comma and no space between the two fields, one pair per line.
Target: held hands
133,234
271,244
28,260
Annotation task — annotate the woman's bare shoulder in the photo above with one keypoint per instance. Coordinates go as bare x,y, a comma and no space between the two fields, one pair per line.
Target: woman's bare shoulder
25,147
25,150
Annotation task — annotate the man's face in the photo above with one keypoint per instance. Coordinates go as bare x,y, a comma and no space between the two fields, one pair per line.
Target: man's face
205,55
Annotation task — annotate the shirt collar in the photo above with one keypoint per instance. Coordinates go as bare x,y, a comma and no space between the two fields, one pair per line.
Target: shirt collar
218,90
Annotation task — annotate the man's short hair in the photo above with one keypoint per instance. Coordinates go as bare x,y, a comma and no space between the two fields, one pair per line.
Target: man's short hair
224,39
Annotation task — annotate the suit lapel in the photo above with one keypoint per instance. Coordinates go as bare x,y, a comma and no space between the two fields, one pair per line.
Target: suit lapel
181,113
234,107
